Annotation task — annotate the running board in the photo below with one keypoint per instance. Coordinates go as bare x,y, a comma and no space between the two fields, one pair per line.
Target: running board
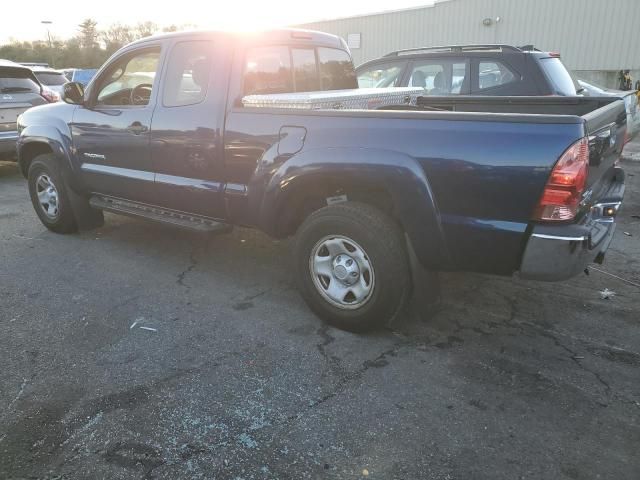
157,214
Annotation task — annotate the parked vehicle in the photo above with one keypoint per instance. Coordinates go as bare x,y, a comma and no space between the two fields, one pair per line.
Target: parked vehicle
630,102
529,185
471,70
82,75
19,90
54,80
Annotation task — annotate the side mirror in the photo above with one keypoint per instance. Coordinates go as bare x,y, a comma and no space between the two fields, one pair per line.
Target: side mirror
73,92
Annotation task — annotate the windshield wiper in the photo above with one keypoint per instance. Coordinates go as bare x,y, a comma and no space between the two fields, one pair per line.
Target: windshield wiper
15,89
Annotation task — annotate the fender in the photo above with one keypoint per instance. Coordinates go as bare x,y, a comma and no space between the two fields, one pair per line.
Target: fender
397,173
62,148
58,140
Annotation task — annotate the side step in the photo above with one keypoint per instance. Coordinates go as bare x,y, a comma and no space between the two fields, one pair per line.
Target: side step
157,214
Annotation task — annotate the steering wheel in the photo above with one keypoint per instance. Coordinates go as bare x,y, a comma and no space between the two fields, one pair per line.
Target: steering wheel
140,94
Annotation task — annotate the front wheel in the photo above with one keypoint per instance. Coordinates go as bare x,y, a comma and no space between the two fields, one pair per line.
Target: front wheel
352,266
49,195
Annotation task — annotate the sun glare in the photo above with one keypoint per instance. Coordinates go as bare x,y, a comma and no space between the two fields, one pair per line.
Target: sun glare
234,17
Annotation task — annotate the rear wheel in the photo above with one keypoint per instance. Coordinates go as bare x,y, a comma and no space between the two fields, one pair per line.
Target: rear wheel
49,196
352,266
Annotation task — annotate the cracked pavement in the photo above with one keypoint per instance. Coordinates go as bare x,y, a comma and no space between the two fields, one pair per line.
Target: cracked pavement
141,351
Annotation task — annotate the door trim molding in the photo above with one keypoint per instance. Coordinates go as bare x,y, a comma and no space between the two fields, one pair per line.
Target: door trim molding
118,172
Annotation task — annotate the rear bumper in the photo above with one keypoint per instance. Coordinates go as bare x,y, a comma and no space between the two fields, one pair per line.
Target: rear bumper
559,252
8,141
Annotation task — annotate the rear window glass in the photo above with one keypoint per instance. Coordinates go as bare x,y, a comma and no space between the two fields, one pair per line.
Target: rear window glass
558,76
17,80
336,69
305,72
51,78
268,70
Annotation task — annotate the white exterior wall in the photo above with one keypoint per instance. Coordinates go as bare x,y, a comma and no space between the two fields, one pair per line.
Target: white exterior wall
593,36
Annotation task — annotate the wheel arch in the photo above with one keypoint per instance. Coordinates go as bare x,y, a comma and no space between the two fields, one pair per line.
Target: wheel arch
37,140
390,181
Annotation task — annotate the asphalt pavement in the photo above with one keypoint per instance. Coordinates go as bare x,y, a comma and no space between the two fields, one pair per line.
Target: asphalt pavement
141,351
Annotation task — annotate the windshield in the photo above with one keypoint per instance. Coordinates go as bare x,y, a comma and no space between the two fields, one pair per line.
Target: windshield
17,80
51,78
558,76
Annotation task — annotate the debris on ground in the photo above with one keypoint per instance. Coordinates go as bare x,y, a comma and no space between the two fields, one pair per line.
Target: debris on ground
615,276
606,294
628,234
149,328
138,320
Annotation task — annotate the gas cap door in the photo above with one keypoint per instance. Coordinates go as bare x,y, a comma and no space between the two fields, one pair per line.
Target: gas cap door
291,140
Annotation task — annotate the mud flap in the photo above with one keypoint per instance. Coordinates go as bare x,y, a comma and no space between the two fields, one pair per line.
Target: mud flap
87,218
426,286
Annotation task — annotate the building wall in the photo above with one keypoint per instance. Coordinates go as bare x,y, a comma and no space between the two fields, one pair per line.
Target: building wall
593,36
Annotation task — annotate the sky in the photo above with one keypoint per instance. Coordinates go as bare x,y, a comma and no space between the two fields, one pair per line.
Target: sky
19,23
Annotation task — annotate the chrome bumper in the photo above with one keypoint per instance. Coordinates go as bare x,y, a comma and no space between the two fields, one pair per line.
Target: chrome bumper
559,252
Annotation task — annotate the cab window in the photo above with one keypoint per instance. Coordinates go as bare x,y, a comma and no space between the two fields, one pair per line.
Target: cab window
130,80
188,72
493,74
441,76
268,70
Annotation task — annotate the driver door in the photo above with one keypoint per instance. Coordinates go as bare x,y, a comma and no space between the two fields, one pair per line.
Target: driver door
111,131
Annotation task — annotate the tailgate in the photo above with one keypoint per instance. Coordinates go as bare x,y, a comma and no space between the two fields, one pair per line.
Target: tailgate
606,130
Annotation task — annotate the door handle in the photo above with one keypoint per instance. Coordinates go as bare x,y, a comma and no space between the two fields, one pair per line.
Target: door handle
137,128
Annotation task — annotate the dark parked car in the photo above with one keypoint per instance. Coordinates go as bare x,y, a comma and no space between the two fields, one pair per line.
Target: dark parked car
471,70
490,192
19,90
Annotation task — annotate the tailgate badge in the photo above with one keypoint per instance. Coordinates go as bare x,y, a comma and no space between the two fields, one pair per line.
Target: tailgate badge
7,97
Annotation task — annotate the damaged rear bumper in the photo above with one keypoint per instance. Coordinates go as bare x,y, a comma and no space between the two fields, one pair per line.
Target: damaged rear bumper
559,252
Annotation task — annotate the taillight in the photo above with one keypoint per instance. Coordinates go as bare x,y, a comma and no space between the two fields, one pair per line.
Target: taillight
50,96
563,192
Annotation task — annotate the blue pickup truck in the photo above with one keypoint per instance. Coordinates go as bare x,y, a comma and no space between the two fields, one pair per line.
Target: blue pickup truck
500,185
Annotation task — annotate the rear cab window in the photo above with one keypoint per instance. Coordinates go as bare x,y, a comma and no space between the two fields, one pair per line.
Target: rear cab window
558,75
284,69
17,80
336,69
305,70
268,70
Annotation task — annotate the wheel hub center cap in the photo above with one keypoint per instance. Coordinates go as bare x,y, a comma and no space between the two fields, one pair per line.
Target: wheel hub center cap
346,269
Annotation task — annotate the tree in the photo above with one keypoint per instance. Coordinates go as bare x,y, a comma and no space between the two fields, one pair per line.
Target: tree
146,29
88,49
116,36
88,34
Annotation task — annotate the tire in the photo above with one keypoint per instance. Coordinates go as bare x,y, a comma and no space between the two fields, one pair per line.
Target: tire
355,249
45,179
